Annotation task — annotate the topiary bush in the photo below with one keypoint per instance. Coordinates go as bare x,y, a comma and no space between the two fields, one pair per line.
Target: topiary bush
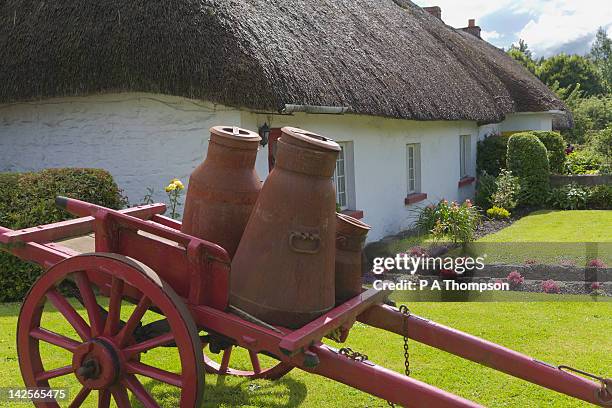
28,199
527,159
553,141
491,154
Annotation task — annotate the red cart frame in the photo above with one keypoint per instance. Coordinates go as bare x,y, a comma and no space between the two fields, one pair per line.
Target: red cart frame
187,280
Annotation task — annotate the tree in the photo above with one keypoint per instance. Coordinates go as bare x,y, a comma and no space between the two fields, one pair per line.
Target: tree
523,55
601,54
570,70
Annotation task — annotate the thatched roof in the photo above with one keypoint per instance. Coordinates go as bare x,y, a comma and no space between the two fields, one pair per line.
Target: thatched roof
378,57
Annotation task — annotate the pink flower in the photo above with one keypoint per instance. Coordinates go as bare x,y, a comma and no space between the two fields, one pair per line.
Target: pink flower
596,263
596,286
417,251
550,286
468,203
515,279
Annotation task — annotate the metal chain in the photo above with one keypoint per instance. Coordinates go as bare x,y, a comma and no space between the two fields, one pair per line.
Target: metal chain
353,355
406,312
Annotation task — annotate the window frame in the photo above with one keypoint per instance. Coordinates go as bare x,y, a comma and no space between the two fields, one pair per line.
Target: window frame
465,156
342,158
413,170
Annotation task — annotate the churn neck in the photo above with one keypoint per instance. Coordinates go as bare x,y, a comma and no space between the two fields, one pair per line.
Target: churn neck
306,152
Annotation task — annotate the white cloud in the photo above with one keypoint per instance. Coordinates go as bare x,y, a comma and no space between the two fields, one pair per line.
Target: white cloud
490,35
564,21
554,22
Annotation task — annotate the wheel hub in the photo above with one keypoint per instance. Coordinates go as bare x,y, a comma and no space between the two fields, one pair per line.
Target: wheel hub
96,364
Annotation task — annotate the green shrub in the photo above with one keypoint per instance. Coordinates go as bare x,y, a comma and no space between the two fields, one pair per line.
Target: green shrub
555,146
485,188
507,191
491,154
28,199
570,197
583,162
600,198
498,213
449,221
600,143
528,160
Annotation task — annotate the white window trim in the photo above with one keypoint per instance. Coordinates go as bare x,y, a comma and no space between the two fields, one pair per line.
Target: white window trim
413,172
465,156
349,178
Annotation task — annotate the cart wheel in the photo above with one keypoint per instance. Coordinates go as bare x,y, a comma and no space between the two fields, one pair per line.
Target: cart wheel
107,357
269,370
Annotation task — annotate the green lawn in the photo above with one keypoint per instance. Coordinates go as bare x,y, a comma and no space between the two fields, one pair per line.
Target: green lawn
575,334
558,226
562,236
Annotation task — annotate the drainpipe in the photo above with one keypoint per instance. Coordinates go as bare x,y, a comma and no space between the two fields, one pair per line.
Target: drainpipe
328,110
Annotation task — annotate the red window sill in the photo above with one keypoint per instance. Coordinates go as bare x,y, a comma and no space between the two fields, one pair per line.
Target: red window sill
353,213
415,198
466,181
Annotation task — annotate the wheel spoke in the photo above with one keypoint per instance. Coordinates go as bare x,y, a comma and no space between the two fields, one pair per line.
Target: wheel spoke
134,367
104,398
133,321
114,307
66,309
54,338
157,341
121,396
139,391
227,353
80,398
56,372
255,362
90,302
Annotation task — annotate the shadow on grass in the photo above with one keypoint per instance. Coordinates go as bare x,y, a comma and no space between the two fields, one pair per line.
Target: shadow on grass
236,392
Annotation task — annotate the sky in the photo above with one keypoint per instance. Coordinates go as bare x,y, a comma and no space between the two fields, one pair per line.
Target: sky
547,26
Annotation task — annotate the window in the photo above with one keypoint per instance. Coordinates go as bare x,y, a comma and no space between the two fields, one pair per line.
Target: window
343,177
413,167
465,155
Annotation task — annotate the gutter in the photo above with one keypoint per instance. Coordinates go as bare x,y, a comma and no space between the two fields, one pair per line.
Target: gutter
325,110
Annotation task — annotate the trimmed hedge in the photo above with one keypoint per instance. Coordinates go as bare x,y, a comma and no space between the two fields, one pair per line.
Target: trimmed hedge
555,146
527,159
491,154
28,199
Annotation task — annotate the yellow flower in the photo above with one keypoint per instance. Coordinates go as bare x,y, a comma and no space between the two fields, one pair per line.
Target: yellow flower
178,184
170,187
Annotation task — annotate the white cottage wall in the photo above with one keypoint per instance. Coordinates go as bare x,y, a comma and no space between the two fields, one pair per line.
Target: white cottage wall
144,140
379,147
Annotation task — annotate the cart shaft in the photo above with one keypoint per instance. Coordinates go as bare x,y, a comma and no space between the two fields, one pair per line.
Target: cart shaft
485,352
381,382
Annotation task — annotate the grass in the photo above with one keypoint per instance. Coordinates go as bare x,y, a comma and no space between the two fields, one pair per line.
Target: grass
558,226
562,236
576,334
574,236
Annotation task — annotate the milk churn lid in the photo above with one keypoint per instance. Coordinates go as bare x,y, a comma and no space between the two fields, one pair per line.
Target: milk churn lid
312,138
354,222
235,133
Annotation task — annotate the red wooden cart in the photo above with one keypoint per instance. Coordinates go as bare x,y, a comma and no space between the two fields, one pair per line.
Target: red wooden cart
141,257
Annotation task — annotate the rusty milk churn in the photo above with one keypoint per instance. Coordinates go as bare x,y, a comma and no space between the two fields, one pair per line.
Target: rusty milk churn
350,237
283,270
224,188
